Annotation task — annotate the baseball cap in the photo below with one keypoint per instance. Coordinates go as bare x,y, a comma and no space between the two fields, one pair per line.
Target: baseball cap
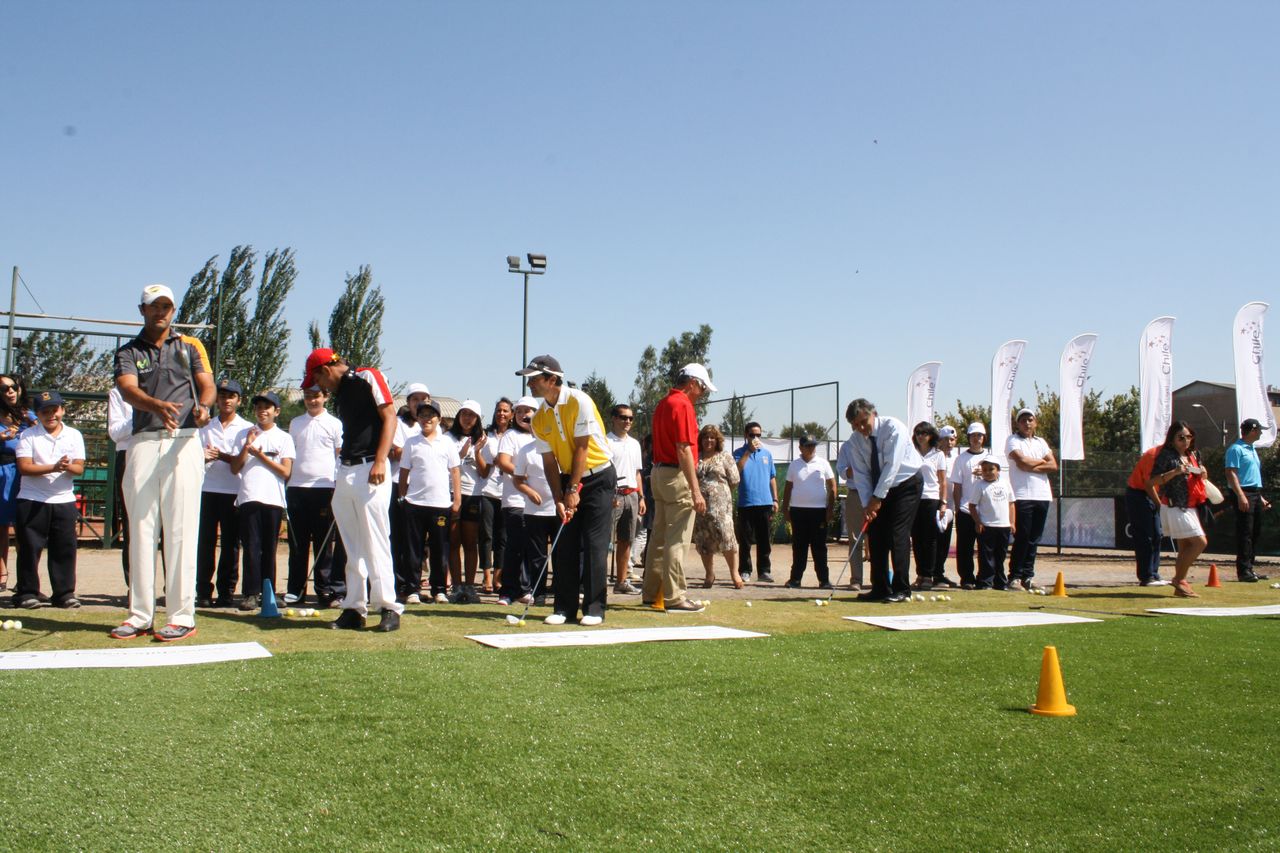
231,387
808,441
47,399
542,364
976,427
416,388
152,292
992,458
427,404
947,432
698,372
267,397
1250,424
471,406
526,401
1022,413
318,358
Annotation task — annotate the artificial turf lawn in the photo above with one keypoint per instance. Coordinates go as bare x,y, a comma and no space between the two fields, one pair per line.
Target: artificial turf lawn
834,740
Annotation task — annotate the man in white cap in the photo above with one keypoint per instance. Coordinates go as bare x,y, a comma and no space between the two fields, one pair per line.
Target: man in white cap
676,495
962,480
166,378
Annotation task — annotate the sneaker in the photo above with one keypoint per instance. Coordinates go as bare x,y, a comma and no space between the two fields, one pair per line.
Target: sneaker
590,621
128,632
348,619
825,586
792,585
923,584
473,597
765,577
224,603
504,601
31,603
945,582
1155,582
555,619
204,603
170,633
539,601
968,585
334,604
390,621
250,602
625,588
441,598
413,598
527,599
290,599
1028,584
69,603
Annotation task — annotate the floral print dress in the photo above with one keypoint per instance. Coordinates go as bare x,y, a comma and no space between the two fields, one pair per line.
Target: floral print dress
713,530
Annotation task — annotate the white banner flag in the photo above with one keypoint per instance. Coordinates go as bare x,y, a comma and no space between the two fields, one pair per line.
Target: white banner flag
1251,387
1155,380
1004,371
1073,371
921,388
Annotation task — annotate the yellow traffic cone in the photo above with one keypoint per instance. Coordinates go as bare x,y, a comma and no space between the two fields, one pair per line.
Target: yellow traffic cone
1213,576
660,603
1059,587
1051,697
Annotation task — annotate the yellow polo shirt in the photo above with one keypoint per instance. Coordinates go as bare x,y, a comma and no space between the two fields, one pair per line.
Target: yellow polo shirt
573,416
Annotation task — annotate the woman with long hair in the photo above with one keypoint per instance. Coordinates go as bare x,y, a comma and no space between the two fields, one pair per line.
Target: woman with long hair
713,529
517,580
464,534
1178,477
493,533
924,531
15,416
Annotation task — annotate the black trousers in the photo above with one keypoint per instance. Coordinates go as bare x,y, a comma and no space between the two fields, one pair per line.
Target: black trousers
941,548
314,540
754,526
1145,531
426,532
515,572
581,560
218,513
539,531
966,538
890,537
809,534
1031,517
41,527
121,459
1248,530
259,535
924,538
493,533
993,544
400,563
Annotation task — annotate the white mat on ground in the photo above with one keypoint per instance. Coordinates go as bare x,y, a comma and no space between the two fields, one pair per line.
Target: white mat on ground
150,655
609,637
935,621
1262,610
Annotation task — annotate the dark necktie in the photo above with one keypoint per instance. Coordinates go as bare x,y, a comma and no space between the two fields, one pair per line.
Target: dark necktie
875,463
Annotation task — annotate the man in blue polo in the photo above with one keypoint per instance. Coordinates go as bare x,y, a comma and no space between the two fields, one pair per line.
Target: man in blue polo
1244,475
757,502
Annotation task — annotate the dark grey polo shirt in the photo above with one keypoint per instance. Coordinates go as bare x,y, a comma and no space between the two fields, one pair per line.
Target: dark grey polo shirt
162,374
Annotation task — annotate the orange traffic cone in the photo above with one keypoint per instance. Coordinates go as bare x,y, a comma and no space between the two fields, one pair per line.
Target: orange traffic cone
1051,697
660,603
1213,576
1059,587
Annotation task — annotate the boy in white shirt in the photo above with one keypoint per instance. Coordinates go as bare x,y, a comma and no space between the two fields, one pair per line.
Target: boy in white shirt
431,488
221,438
540,519
808,504
961,480
264,464
313,536
992,510
50,455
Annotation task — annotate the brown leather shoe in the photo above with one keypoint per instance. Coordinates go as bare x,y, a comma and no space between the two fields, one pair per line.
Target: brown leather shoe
686,606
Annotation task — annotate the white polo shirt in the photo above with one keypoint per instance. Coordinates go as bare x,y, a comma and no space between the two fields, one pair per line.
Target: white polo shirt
402,434
809,482
258,483
528,462
964,473
512,441
992,502
627,459
1028,485
227,439
934,461
492,485
429,461
472,482
35,443
317,441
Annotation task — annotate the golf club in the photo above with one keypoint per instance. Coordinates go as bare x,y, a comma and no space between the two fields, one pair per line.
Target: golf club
511,620
857,543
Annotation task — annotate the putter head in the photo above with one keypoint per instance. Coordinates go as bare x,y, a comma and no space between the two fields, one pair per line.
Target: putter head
512,619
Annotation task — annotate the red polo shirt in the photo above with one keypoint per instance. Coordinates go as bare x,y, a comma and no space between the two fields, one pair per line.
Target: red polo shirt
1142,471
674,423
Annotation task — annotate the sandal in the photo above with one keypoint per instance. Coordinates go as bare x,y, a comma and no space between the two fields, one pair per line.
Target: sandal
738,583
708,583
1182,589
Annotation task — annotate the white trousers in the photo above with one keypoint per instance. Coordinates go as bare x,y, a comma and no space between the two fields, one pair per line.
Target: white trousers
362,512
162,493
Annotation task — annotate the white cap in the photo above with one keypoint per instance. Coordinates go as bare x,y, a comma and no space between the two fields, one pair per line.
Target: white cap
1022,412
698,372
471,406
976,427
946,432
526,401
152,292
416,388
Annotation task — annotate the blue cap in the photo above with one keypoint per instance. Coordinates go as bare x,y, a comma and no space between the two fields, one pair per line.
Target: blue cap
45,399
267,397
231,387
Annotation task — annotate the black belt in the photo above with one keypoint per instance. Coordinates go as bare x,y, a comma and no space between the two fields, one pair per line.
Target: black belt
358,460
665,465
1251,490
8,458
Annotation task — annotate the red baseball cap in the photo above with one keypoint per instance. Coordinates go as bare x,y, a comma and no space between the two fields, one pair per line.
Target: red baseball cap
318,358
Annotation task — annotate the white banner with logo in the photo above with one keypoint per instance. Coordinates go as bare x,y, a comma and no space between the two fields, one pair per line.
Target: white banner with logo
1251,387
1155,380
1073,372
1004,372
921,388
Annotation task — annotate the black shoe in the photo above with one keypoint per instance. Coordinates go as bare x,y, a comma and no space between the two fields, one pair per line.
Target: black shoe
30,603
223,602
765,577
390,621
968,585
1249,578
69,603
348,619
825,586
872,596
946,582
792,584
898,598
206,603
250,603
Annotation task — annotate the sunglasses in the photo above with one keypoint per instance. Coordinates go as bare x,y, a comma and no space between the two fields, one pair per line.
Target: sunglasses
624,417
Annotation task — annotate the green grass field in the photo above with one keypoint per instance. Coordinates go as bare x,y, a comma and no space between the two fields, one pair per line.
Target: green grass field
827,735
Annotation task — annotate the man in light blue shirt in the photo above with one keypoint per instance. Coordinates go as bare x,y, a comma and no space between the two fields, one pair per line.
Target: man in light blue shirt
1244,476
757,502
886,473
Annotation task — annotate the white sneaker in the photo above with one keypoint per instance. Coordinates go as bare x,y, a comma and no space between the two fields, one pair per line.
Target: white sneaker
413,599
554,619
441,598
290,598
590,621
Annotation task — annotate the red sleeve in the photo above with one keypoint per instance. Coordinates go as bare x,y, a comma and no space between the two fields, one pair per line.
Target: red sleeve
381,393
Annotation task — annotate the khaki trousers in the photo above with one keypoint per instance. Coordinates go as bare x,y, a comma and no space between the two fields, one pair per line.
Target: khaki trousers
669,540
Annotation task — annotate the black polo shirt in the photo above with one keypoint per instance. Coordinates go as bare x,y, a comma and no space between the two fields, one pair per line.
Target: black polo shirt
361,392
166,372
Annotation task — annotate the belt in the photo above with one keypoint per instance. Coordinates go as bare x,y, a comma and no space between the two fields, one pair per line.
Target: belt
1251,490
598,469
6,458
665,465
357,460
627,491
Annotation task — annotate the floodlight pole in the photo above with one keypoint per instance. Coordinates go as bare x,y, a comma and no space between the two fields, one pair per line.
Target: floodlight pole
13,306
513,266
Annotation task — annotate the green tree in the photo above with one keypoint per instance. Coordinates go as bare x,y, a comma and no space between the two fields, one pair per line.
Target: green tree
598,390
355,326
801,430
65,361
737,416
1117,424
964,415
656,372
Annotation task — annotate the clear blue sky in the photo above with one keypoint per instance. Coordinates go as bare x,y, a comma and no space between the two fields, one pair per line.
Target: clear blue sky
842,190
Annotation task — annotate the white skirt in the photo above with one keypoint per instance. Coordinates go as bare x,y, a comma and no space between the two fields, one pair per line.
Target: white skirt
1179,523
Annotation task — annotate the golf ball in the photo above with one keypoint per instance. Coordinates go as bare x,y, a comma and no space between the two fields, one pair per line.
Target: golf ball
817,602
520,622
17,624
748,603
7,625
933,598
289,612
